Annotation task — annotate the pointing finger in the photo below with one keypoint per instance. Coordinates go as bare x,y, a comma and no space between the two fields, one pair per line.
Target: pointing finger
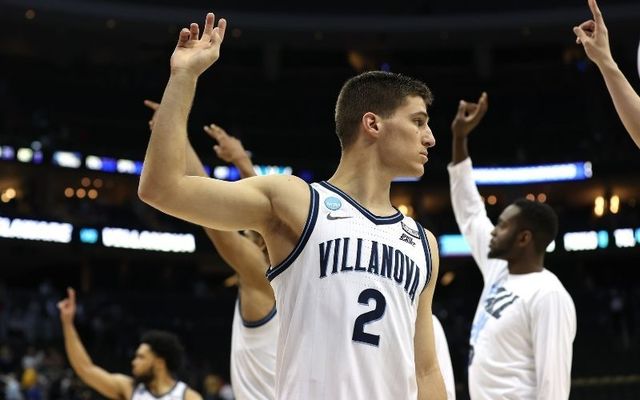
595,10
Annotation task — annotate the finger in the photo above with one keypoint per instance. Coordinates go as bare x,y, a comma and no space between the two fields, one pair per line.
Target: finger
217,149
194,29
462,106
589,27
208,27
471,107
580,34
483,106
215,132
222,27
484,99
595,10
72,295
212,132
152,104
184,37
61,304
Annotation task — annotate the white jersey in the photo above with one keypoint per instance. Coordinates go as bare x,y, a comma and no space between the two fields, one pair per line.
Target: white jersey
444,358
176,393
524,326
347,299
253,356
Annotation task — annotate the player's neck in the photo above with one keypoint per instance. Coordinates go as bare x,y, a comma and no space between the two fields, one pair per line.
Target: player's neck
360,177
161,384
526,265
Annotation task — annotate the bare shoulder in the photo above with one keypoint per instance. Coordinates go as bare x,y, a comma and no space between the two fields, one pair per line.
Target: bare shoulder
290,197
282,185
191,394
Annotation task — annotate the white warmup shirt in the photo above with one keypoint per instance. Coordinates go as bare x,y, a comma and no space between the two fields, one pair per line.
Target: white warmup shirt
523,330
444,358
347,300
253,356
176,393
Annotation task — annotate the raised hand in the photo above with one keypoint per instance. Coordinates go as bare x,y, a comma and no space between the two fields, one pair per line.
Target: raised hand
154,106
194,54
593,35
469,116
67,306
229,148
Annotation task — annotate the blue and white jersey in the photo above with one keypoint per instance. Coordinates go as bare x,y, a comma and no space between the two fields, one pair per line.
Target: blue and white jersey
253,356
176,393
347,300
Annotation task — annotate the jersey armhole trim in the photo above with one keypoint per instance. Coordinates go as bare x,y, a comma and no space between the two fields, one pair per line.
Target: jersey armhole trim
257,323
306,233
427,254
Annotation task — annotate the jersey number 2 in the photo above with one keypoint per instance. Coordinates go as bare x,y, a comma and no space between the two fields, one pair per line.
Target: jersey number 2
359,335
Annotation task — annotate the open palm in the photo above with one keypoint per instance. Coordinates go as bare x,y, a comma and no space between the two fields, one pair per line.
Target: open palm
194,54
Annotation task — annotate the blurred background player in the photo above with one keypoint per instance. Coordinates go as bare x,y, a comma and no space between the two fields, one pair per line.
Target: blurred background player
525,323
255,323
157,359
594,37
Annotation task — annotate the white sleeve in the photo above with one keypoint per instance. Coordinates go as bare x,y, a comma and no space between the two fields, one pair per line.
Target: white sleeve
553,322
470,212
444,359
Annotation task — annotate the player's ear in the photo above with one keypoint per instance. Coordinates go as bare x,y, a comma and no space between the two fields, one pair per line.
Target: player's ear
371,124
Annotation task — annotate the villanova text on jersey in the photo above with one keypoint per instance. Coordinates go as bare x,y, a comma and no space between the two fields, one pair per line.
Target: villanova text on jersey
381,260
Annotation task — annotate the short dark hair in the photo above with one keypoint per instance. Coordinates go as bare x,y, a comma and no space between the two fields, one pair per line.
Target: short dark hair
165,345
540,219
375,91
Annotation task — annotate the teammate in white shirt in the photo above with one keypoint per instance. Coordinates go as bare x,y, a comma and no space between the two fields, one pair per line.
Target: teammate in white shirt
157,358
444,359
383,125
524,327
255,323
593,35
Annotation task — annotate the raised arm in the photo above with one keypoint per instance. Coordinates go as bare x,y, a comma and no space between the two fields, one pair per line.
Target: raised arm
231,150
468,206
164,183
430,382
239,252
554,329
112,386
593,35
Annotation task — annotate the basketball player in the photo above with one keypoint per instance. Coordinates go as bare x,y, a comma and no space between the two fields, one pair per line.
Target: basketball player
593,35
157,358
525,323
255,324
351,275
444,359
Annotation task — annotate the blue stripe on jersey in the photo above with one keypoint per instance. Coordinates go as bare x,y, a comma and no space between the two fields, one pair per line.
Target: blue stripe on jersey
258,323
427,253
392,219
306,233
